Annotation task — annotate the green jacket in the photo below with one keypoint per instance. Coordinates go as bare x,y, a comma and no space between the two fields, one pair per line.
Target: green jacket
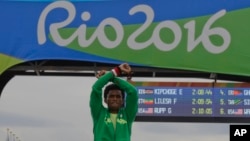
103,126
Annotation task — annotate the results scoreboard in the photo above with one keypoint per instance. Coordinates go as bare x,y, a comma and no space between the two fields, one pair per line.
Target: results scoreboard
189,101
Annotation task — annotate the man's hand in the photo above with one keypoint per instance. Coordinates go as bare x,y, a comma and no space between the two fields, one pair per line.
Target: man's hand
125,68
100,73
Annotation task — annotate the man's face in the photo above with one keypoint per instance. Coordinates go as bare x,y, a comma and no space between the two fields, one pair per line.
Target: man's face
114,100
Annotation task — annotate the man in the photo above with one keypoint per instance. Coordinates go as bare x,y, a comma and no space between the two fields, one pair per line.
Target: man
113,123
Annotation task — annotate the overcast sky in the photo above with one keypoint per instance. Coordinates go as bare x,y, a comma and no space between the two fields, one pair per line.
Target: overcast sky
42,108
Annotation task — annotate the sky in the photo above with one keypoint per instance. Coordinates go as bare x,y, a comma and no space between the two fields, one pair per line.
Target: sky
55,108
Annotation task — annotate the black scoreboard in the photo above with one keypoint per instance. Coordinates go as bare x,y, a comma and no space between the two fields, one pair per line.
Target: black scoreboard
193,102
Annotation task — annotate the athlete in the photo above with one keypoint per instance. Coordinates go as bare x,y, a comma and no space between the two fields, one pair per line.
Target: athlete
114,121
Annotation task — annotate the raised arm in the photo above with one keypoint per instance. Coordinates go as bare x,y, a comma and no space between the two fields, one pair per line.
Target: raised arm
96,93
131,106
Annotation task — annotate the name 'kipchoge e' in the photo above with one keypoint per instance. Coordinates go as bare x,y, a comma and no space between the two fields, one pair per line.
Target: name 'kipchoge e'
166,91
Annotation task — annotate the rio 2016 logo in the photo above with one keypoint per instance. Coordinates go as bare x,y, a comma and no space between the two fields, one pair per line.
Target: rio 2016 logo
155,39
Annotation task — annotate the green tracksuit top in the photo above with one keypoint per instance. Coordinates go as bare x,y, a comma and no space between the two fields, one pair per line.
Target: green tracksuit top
103,126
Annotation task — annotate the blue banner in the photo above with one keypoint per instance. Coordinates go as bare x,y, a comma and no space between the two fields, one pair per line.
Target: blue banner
94,31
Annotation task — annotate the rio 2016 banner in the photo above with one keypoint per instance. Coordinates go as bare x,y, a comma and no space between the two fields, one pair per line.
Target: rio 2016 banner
200,35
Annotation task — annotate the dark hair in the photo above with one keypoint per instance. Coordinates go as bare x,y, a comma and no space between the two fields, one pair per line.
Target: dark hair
112,87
